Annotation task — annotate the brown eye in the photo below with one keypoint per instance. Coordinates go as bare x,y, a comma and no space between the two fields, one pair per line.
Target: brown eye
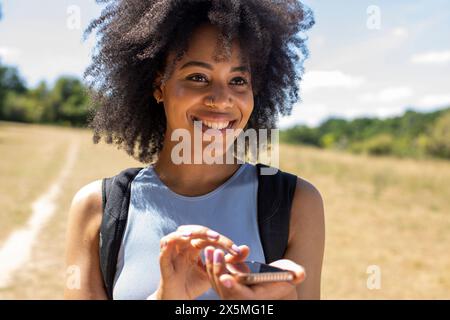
243,83
195,76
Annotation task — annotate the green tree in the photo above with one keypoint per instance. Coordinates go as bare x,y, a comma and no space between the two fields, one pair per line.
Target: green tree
439,140
22,108
68,102
301,134
381,144
10,81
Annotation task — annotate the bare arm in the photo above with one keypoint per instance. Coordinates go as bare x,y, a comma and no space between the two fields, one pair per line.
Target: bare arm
83,275
307,237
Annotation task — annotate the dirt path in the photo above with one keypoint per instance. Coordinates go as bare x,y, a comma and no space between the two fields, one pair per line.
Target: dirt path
16,250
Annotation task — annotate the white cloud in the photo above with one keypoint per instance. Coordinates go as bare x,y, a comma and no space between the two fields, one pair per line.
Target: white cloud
310,114
388,111
330,79
9,55
390,94
400,32
317,41
394,94
368,97
435,100
432,57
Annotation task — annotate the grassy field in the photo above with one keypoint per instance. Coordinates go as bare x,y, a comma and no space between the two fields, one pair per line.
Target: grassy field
391,213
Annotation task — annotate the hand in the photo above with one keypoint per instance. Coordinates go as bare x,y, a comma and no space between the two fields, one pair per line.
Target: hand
228,288
183,275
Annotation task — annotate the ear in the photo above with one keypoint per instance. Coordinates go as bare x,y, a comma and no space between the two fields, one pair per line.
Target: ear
157,87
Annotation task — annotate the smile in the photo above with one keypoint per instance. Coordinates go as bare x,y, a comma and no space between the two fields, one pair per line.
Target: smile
217,125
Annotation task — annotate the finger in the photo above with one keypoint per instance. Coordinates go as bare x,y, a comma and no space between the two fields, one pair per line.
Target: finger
232,258
210,237
181,239
203,237
297,270
245,251
183,244
273,290
179,250
232,289
200,263
219,269
209,252
182,252
165,259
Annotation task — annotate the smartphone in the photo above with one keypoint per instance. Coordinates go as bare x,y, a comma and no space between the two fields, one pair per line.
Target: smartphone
252,272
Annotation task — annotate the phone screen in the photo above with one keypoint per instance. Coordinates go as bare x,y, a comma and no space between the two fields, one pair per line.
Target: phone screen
252,267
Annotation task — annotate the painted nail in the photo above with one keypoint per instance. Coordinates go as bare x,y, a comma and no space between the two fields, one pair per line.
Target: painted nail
208,256
218,258
186,233
212,234
227,283
236,249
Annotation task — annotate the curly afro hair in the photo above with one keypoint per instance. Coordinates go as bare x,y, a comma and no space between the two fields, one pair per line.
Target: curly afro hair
136,36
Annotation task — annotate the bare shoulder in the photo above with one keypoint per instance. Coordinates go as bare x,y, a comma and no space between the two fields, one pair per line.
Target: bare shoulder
307,237
307,204
82,243
90,195
86,207
306,190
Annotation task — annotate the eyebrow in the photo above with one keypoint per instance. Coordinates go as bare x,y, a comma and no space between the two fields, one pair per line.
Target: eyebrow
208,66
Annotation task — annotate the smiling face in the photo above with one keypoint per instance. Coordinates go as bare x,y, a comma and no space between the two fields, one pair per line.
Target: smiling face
198,78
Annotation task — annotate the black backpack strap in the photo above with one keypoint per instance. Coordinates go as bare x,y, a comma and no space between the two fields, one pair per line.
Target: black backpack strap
275,195
116,200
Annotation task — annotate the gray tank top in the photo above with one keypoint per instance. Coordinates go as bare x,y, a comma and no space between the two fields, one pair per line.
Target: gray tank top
155,211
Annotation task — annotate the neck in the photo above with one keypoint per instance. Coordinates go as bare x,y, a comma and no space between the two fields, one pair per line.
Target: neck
191,179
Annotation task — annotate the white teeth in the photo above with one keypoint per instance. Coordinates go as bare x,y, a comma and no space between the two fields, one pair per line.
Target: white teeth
215,125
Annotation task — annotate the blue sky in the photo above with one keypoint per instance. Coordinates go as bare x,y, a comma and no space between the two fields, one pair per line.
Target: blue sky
367,58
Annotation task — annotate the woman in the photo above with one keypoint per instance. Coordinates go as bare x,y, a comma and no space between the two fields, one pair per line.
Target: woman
162,66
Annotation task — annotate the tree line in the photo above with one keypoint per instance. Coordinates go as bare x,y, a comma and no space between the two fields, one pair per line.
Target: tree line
65,103
413,134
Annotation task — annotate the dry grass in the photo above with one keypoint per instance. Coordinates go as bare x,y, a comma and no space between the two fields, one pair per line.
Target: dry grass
379,211
31,157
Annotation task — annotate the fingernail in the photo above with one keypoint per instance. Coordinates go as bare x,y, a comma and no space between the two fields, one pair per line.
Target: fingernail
227,283
212,234
208,256
218,258
186,233
236,249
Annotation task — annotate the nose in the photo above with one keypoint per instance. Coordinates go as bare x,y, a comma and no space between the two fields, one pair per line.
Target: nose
219,98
